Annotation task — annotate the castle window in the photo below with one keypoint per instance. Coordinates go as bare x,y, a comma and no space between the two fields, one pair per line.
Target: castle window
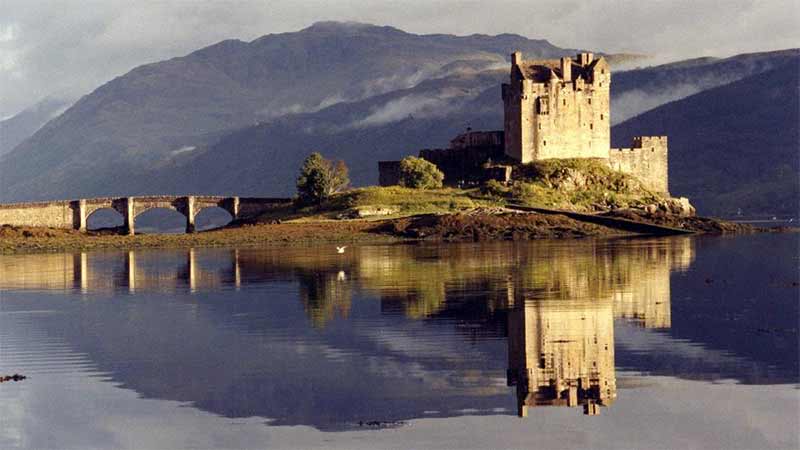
601,117
590,101
591,126
565,102
544,142
541,105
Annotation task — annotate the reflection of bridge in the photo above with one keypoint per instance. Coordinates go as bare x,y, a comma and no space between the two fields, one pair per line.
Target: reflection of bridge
75,213
129,271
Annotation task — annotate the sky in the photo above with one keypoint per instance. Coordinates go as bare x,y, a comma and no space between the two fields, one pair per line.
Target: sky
68,48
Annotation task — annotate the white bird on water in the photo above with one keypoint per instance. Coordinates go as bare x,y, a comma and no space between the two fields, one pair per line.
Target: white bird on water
340,249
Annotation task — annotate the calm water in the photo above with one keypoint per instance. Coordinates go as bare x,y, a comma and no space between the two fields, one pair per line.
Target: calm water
636,343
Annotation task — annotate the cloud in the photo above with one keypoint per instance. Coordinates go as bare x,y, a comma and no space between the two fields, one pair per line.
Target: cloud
74,46
415,106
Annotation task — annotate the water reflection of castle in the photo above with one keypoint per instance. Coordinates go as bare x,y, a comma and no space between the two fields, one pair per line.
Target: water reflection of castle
560,300
561,348
561,353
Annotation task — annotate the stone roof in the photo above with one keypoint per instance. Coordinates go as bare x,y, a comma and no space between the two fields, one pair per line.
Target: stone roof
539,69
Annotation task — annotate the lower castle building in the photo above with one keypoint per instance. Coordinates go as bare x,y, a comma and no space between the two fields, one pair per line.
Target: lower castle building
557,108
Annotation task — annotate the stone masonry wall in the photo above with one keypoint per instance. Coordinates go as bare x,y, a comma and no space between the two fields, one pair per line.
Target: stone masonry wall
647,160
58,214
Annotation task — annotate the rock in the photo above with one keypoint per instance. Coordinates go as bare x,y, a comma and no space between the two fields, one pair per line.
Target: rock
675,206
681,207
374,211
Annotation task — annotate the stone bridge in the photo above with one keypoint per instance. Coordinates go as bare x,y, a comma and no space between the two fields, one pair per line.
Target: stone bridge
75,213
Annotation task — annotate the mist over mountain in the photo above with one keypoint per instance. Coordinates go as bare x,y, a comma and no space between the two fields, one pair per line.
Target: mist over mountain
636,91
732,147
22,125
239,118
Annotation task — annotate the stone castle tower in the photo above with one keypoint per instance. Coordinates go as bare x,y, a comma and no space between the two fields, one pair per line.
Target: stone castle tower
552,108
560,108
557,108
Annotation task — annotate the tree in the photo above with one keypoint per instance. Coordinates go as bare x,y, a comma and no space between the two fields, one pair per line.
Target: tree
320,178
420,174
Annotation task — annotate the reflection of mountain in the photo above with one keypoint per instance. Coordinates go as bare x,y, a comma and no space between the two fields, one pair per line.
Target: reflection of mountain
306,336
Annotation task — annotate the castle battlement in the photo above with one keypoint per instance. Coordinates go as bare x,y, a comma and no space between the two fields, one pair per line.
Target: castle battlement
649,141
647,159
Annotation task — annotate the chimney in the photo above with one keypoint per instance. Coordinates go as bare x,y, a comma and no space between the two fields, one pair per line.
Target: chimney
584,59
566,69
516,58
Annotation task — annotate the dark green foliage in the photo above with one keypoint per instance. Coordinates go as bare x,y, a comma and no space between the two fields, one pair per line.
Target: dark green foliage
418,173
320,178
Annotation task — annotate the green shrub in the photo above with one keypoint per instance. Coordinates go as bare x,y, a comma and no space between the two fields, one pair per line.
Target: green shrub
495,189
418,173
320,178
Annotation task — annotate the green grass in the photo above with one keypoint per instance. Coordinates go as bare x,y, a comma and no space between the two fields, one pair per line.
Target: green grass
400,201
573,184
576,184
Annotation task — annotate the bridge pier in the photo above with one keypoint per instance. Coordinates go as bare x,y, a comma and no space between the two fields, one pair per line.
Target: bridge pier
79,215
129,217
189,213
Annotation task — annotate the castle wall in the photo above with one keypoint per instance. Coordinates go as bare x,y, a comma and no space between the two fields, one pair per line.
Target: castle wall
512,125
647,160
388,173
462,165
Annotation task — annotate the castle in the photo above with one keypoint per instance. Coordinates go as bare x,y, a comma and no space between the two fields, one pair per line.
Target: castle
554,108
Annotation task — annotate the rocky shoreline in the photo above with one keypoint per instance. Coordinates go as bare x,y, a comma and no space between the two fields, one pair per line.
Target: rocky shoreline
482,224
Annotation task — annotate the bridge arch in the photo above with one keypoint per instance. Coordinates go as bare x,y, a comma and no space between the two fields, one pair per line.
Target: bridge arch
73,214
103,217
210,217
160,219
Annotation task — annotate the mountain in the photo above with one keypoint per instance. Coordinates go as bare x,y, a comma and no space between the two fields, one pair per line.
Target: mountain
733,147
157,111
636,91
22,125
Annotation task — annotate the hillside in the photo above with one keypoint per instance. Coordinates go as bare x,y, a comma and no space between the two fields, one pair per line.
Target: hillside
732,147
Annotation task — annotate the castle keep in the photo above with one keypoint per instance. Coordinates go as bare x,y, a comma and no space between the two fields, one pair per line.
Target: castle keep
553,108
557,108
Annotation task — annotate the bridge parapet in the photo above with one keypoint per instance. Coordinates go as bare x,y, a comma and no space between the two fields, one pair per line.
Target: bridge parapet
75,213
